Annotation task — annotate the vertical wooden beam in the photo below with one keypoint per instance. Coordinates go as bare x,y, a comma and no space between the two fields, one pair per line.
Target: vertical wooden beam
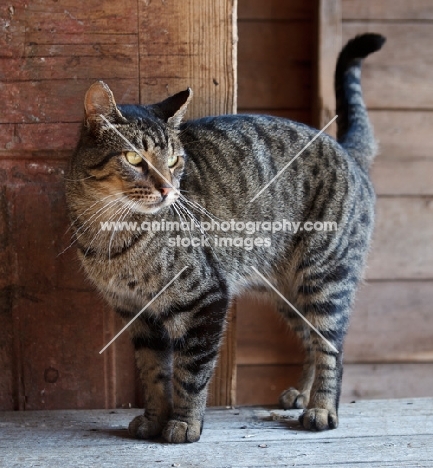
189,43
329,40
193,43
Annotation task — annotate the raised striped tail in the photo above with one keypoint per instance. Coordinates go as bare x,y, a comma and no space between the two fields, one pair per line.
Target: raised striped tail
355,132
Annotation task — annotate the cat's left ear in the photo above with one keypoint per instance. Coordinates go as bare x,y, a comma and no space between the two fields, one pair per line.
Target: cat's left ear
173,109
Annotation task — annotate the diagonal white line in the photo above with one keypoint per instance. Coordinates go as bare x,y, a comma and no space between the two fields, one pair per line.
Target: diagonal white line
139,153
143,309
293,159
295,309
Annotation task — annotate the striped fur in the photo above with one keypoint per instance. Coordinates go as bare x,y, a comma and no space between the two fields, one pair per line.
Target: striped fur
222,163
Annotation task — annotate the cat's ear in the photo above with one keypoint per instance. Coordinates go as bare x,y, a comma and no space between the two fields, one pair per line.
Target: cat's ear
99,100
172,109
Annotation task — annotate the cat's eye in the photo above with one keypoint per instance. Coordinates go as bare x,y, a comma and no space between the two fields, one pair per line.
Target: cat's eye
133,158
172,160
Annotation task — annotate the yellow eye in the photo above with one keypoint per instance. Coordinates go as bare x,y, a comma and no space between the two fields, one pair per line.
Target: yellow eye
133,158
172,160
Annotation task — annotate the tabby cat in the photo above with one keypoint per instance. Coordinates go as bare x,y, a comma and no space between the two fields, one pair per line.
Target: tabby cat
142,164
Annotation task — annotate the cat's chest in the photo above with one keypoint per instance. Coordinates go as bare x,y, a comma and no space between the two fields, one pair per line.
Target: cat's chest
123,280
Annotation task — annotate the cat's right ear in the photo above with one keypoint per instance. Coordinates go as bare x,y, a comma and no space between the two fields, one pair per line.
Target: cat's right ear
99,101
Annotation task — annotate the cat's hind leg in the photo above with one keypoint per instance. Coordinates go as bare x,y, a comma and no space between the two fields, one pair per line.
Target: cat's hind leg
330,317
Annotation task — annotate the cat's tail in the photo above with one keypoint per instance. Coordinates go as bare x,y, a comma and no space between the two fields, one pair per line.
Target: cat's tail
354,132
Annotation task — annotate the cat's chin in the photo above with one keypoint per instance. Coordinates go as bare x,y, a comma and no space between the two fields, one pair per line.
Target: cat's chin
151,208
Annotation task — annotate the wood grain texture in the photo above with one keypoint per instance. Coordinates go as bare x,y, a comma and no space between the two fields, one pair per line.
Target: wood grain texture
57,322
275,10
402,239
403,177
265,383
397,77
189,44
193,44
371,381
379,434
223,386
49,54
391,322
263,337
328,46
403,135
275,65
387,10
404,164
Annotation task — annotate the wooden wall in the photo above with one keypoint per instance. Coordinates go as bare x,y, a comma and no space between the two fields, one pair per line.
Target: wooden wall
392,329
52,323
389,348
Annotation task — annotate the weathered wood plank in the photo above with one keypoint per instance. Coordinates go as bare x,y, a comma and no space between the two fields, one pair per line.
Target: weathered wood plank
384,327
12,28
377,433
68,17
275,10
57,101
327,48
403,177
50,136
44,78
404,164
7,401
368,381
403,71
371,10
392,322
403,135
223,386
7,136
264,383
263,337
104,46
275,65
403,232
175,54
73,67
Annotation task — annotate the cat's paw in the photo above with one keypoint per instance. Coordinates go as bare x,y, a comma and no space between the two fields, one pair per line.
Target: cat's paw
142,428
179,432
318,419
293,399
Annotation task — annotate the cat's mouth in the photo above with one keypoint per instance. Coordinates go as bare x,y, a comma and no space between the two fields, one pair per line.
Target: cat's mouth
151,207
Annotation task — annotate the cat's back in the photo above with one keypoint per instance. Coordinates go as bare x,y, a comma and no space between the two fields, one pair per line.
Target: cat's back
232,157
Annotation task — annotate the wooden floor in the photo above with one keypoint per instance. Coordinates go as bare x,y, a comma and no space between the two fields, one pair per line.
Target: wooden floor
391,433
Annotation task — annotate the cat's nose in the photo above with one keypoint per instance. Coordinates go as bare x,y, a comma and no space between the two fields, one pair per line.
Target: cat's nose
165,190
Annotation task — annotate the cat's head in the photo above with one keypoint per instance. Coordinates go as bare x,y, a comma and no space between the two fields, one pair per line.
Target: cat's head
130,152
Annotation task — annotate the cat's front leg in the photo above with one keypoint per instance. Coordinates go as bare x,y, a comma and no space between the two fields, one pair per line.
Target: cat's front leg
154,361
195,356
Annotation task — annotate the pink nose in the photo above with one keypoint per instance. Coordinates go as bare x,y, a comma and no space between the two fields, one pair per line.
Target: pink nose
165,191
